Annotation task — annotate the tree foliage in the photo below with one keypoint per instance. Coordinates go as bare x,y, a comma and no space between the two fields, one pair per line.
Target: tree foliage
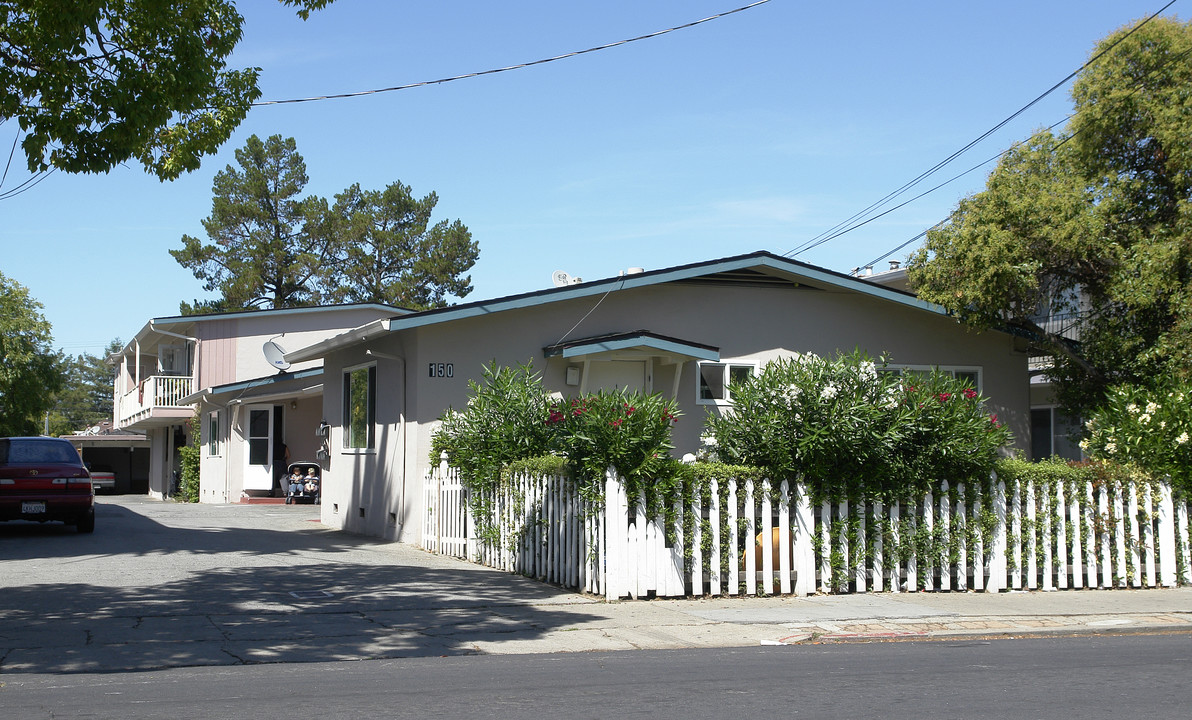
265,246
30,372
1090,225
270,246
389,253
94,83
86,395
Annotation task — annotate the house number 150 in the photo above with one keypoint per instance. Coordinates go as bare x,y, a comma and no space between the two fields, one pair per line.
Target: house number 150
439,370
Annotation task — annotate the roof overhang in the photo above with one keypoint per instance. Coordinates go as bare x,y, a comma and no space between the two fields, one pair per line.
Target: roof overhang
639,343
759,268
282,386
354,336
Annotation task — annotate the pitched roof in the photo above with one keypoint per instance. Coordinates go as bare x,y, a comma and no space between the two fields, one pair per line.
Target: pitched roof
757,268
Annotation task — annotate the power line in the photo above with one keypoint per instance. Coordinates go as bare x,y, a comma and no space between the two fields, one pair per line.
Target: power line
519,66
844,227
1060,144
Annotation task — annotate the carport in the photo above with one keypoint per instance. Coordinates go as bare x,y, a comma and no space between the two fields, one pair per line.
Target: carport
125,453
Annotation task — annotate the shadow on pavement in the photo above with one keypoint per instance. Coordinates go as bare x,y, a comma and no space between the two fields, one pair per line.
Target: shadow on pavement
142,595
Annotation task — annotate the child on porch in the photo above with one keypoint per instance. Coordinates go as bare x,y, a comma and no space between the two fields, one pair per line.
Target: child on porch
312,481
295,484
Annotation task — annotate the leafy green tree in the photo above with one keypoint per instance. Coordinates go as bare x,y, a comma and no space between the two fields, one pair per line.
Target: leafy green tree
389,253
86,395
1092,224
94,83
30,372
265,249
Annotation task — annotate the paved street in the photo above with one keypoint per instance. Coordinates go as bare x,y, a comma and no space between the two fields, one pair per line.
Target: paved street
164,585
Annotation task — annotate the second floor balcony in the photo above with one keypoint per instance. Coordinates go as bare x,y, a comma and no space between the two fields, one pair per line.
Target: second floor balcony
155,401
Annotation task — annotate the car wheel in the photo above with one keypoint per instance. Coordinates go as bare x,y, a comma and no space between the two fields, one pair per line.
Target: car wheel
86,523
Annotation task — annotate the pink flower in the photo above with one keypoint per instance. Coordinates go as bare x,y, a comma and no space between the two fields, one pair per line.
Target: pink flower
970,394
944,397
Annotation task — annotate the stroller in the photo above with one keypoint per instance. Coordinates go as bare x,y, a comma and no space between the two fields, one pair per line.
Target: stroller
311,486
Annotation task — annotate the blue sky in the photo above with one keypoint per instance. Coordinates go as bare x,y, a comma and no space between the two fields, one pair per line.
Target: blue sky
757,131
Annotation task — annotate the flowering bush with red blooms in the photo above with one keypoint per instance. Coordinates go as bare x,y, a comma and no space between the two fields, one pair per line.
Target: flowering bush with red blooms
509,418
851,428
630,432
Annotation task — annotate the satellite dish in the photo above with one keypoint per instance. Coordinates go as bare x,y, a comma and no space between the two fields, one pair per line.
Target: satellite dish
275,355
560,278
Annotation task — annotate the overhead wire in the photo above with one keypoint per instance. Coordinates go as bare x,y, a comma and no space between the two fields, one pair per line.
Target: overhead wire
850,224
519,66
1060,144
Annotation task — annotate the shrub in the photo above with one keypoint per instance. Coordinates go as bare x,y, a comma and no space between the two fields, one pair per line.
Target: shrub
850,430
510,419
1148,426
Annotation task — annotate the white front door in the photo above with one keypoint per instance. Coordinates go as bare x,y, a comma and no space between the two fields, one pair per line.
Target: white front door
258,437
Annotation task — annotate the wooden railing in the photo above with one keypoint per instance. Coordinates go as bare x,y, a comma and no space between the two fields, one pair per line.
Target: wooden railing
157,391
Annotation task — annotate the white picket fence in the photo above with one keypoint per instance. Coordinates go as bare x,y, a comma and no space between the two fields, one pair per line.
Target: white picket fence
1051,537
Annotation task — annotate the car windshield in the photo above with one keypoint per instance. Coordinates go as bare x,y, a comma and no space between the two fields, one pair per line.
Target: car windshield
32,451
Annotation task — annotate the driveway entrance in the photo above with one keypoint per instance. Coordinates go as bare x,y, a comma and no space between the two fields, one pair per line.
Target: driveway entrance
163,584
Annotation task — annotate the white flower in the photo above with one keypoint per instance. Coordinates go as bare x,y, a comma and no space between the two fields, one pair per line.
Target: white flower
1151,408
1144,418
708,440
792,392
1163,424
1132,409
828,392
1183,438
1110,447
1084,444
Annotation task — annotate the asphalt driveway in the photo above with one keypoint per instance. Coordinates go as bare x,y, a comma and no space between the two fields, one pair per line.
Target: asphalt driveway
163,584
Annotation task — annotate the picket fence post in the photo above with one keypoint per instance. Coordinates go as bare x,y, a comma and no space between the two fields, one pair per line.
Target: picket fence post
804,551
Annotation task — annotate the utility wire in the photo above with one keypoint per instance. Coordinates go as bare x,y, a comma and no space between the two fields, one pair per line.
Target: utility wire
845,227
519,66
1060,144
28,185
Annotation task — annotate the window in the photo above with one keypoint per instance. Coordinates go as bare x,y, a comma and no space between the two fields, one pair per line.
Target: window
1054,434
213,434
360,401
971,375
716,381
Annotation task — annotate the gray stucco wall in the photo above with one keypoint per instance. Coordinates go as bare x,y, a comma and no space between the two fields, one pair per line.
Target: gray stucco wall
381,490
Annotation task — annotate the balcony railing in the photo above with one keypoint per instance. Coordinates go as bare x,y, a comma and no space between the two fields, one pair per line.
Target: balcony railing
156,392
1066,325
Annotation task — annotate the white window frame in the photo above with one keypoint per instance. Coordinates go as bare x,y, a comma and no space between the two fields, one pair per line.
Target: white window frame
951,370
370,445
727,366
214,433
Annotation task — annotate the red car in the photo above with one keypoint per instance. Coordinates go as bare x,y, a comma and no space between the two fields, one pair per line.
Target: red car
43,478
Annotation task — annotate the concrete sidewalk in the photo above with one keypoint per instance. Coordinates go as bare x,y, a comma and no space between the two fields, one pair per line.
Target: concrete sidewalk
161,585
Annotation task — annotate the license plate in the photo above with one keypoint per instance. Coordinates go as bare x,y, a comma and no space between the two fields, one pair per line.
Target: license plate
32,508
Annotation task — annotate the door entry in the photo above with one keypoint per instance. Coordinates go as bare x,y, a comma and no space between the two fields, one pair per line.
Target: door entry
258,436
